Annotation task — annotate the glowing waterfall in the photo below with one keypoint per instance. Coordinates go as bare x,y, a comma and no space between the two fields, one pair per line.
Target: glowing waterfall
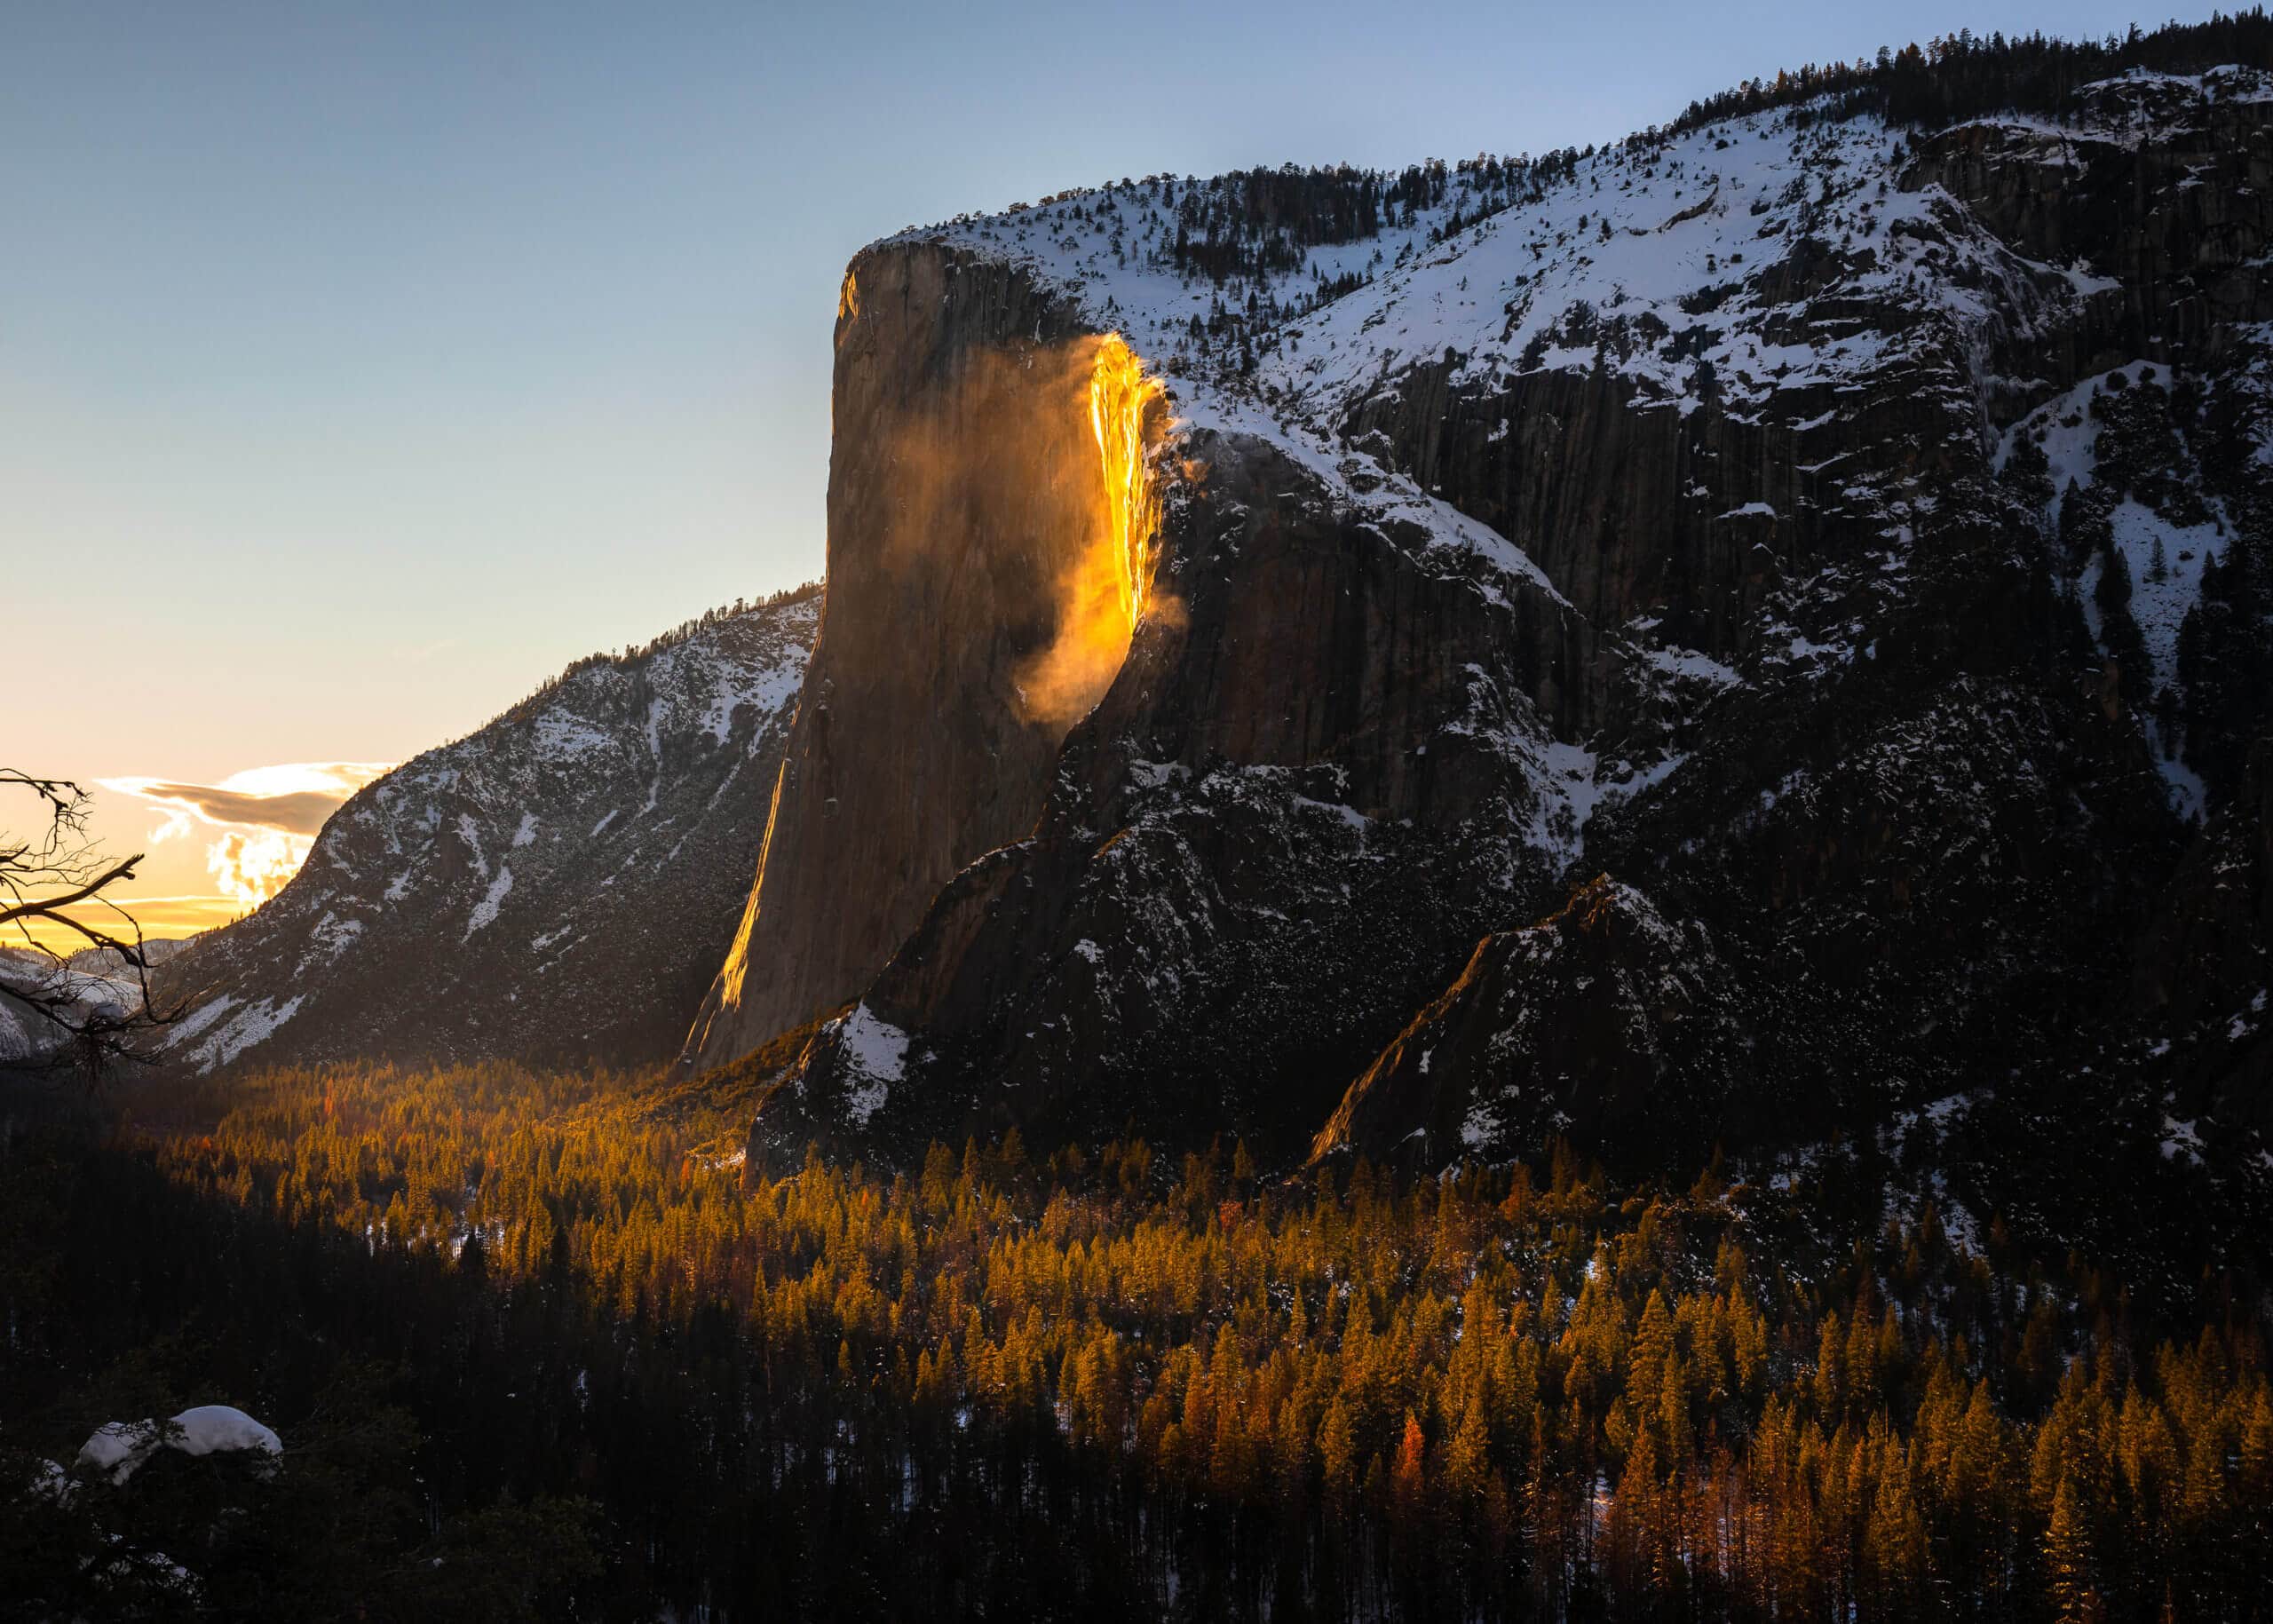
1120,395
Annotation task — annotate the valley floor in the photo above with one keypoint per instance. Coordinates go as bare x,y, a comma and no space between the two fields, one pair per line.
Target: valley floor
544,1345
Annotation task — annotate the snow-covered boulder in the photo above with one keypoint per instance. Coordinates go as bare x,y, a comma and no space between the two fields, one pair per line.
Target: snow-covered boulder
117,1449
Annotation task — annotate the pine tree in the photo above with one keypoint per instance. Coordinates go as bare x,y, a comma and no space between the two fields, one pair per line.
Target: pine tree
2067,1560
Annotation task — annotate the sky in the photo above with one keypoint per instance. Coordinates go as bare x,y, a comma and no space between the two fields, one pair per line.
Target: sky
362,365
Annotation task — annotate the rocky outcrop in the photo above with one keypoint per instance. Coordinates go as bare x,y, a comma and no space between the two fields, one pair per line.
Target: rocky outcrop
558,886
2162,184
1926,858
1320,774
963,487
1606,1023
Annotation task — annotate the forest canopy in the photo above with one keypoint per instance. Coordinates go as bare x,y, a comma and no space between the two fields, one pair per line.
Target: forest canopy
1094,1379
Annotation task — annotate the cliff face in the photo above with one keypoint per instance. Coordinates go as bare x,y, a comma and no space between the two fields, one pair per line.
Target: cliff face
963,488
1297,806
558,886
1852,539
980,873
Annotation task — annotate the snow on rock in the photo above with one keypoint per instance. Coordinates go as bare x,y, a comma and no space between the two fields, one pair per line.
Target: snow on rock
198,1019
485,911
254,1024
877,1052
2166,561
117,1450
2181,1139
210,1429
1664,238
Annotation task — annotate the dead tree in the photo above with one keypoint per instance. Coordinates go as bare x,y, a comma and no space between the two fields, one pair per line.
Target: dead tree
52,878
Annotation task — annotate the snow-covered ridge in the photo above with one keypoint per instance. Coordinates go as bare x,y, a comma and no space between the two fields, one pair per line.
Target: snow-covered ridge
1669,232
1642,257
1791,269
577,730
498,873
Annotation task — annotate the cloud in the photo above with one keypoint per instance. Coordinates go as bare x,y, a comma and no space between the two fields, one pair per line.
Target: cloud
252,866
302,814
268,818
295,798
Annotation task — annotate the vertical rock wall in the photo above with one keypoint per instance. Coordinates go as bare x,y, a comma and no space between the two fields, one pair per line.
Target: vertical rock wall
963,484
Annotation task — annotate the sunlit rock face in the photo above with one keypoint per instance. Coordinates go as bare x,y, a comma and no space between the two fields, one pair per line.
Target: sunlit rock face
976,603
558,886
1245,870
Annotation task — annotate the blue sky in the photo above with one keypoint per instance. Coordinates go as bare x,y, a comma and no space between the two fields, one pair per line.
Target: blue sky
360,365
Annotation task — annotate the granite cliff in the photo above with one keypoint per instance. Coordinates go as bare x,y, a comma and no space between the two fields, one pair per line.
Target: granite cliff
1808,558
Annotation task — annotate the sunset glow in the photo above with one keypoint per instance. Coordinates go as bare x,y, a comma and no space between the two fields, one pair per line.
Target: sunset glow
1121,394
1109,588
246,834
251,865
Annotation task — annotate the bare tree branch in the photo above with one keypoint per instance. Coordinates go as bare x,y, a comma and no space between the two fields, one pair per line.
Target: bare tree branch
50,908
71,1019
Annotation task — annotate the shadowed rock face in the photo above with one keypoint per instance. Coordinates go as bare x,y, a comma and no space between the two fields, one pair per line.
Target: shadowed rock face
1925,868
1606,1022
2203,970
2163,190
1693,519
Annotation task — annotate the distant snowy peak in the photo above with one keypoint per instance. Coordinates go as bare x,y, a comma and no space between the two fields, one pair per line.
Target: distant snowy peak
544,885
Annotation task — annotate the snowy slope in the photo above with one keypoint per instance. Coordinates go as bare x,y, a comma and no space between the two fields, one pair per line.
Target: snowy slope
1649,229
558,883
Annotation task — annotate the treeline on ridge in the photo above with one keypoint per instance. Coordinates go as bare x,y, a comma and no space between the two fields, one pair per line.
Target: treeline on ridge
1250,223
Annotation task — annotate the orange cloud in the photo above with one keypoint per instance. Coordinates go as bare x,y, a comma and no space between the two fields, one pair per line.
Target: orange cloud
267,819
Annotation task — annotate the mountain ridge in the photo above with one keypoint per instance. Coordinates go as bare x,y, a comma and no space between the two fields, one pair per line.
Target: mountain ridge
552,886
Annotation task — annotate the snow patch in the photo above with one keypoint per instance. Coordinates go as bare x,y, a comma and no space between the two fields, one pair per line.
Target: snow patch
256,1023
877,1052
485,911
